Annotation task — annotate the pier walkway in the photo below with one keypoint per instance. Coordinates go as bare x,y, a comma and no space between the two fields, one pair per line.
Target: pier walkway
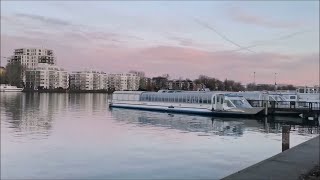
290,164
287,108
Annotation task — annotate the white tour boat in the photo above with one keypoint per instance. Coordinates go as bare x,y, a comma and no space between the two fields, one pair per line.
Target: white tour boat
195,102
9,88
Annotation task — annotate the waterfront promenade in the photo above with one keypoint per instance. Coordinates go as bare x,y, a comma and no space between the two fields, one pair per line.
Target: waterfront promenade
290,164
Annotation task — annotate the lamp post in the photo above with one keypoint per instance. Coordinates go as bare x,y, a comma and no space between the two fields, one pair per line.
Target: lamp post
275,81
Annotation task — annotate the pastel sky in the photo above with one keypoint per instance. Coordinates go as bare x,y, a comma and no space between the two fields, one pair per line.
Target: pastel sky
221,39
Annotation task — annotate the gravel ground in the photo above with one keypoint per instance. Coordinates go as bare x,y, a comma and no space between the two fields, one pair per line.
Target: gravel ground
314,174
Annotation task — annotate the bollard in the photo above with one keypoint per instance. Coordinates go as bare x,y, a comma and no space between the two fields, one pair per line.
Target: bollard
285,137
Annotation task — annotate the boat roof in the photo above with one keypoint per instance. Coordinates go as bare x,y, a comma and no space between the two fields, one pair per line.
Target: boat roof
129,92
174,92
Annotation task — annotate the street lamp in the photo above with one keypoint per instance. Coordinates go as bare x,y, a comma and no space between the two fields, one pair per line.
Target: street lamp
275,81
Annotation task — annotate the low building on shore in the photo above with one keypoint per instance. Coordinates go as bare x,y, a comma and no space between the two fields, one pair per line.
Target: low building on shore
87,80
186,85
124,81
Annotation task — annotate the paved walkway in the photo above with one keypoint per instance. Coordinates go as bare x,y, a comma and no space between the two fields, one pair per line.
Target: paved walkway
290,164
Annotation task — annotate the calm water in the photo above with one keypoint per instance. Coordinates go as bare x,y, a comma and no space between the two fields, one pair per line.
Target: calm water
78,136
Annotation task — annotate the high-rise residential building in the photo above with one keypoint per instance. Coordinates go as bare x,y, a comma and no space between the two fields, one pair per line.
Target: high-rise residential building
87,80
124,81
46,76
31,57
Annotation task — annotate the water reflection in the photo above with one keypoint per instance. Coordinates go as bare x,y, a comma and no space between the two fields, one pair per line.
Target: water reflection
89,102
35,113
30,113
214,126
54,133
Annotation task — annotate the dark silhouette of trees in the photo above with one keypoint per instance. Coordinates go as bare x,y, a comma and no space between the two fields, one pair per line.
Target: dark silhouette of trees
268,87
216,85
3,77
14,72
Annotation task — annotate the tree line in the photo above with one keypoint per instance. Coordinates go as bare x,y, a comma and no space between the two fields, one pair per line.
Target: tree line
14,71
217,85
13,74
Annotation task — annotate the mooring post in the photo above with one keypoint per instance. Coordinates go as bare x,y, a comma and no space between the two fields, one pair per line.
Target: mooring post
266,124
265,104
285,137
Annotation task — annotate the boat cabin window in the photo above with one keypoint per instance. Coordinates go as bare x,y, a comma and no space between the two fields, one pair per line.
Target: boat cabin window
183,98
177,97
242,103
292,97
229,104
205,101
272,98
214,100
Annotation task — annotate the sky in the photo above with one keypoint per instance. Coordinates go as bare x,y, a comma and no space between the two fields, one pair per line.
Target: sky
222,39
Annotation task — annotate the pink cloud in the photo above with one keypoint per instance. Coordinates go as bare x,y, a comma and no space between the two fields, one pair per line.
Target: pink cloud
188,62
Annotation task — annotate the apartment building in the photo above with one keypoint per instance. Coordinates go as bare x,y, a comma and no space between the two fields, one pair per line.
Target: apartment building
30,57
141,74
103,81
124,81
46,76
88,80
181,85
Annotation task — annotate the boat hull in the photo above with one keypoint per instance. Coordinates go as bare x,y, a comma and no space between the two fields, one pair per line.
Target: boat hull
11,90
187,110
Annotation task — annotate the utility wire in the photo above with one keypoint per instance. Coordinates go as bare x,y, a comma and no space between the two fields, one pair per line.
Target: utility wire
221,35
263,42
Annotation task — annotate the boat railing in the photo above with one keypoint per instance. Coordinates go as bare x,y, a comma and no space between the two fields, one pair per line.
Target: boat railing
286,104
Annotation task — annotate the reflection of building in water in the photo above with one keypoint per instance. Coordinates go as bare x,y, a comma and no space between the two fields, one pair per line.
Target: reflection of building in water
88,102
32,112
11,104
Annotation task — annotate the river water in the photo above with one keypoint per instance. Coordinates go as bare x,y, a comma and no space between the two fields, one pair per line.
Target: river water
76,136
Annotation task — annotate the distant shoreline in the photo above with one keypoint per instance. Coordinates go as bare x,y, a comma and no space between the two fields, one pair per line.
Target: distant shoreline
66,91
